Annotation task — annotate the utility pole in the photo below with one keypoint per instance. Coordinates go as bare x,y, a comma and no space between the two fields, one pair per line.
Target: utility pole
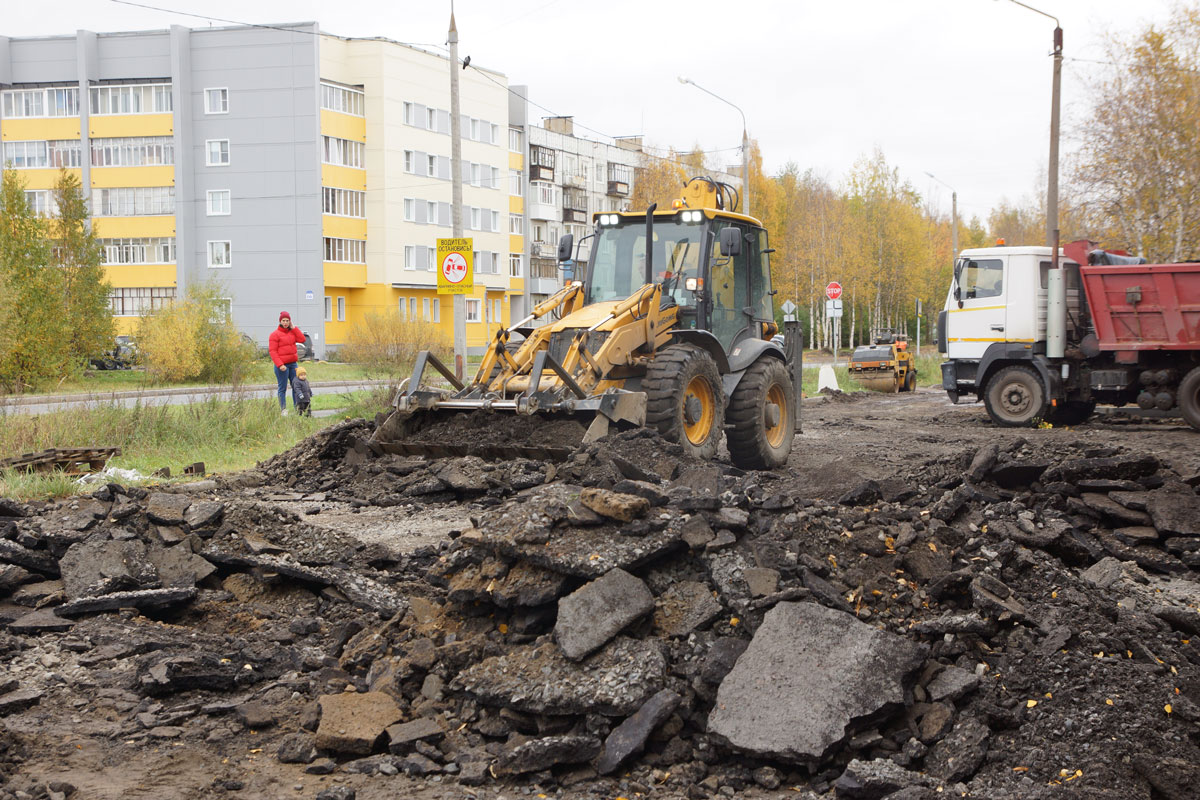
456,205
745,209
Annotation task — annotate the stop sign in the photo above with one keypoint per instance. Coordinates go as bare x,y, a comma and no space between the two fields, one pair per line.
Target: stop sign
834,290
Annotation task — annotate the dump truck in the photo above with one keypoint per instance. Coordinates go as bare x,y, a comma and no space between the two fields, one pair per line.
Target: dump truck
885,365
671,328
1043,338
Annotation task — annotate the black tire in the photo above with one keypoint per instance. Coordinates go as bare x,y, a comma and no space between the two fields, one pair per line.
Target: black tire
1189,398
753,442
910,380
684,398
1070,413
1015,397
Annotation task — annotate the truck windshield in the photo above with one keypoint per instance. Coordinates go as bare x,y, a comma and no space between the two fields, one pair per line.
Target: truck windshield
619,258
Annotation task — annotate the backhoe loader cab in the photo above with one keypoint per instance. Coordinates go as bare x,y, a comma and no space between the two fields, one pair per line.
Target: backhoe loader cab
671,328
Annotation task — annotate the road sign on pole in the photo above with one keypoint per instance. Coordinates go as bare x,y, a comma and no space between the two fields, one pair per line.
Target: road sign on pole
833,308
789,311
834,290
455,273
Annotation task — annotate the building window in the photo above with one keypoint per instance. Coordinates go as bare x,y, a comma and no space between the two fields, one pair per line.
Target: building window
342,152
410,256
135,151
43,154
341,99
547,193
223,311
219,202
516,182
41,202
49,102
343,202
514,265
495,215
516,224
412,309
134,302
216,152
498,311
345,251
144,201
341,309
516,140
431,119
216,101
410,114
431,166
410,210
328,308
219,254
474,219
425,309
138,251
410,161
154,98
437,309
472,310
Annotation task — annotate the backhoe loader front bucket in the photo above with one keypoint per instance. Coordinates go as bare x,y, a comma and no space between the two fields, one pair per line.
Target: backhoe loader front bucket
546,421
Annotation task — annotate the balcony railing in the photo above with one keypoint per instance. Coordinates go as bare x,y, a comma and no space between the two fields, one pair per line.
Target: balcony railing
618,188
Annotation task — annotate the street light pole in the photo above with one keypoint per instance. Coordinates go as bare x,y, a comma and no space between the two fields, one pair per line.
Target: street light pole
745,145
456,205
1056,303
953,213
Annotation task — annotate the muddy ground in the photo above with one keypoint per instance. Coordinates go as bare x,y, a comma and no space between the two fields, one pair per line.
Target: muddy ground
1061,611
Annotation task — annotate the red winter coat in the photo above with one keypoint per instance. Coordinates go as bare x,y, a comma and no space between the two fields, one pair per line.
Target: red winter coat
282,345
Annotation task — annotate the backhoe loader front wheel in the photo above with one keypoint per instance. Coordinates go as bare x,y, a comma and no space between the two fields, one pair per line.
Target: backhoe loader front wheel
684,401
761,416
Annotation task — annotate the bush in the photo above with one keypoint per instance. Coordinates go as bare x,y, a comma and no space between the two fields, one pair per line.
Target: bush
194,339
387,344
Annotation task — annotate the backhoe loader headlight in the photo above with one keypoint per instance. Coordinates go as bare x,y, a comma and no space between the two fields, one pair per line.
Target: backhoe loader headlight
690,216
691,284
608,219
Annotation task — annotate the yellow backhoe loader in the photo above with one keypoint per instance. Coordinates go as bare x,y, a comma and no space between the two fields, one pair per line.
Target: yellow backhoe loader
671,328
886,365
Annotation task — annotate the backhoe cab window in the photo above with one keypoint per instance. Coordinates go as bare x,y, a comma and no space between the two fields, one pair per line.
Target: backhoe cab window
982,278
619,263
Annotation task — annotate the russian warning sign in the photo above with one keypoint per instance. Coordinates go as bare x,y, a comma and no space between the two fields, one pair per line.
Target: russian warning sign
454,261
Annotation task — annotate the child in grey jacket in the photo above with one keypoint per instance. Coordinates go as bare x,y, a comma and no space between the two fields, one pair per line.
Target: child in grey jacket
302,392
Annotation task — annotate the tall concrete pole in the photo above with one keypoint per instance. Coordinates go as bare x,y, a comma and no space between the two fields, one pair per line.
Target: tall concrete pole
954,224
746,167
1052,179
456,205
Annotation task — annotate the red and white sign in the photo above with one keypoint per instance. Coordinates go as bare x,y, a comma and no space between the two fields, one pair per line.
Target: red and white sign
455,267
834,290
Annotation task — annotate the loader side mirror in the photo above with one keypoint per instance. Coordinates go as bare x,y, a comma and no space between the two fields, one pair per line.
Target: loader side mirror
731,242
566,246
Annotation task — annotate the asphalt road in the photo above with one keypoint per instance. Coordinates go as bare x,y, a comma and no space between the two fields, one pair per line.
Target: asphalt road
151,397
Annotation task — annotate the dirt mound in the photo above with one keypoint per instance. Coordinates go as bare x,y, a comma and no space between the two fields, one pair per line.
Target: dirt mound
997,623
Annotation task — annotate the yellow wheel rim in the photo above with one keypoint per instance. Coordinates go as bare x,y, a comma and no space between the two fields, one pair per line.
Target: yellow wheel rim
776,433
699,391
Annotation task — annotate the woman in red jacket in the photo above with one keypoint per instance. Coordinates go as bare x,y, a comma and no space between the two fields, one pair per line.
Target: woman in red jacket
282,346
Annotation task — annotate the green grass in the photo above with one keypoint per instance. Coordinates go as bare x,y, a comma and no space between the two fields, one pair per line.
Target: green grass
227,435
132,380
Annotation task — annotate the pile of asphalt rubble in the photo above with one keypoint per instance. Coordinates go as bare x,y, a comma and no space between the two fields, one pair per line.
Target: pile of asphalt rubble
998,624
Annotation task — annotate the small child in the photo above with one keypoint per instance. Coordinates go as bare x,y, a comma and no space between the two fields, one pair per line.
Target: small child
302,392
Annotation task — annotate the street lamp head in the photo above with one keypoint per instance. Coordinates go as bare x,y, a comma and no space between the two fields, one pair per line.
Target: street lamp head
683,79
930,174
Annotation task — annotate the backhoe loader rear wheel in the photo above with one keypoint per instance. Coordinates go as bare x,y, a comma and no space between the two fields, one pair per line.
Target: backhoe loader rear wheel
1015,397
761,416
684,401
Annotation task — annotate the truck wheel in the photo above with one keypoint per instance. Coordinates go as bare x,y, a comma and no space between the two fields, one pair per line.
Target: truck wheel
762,416
1071,413
1015,397
1189,398
684,399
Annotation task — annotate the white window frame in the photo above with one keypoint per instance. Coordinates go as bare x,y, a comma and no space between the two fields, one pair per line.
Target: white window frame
514,264
228,253
222,92
410,113
431,165
208,162
426,312
410,256
410,162
472,309
208,204
410,210
516,224
412,309
341,308
328,308
437,309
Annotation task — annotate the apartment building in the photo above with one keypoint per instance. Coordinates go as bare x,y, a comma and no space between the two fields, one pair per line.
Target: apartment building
306,172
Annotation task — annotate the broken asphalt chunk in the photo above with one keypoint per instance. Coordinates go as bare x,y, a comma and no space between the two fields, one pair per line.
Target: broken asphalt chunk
809,675
352,722
143,599
591,615
629,738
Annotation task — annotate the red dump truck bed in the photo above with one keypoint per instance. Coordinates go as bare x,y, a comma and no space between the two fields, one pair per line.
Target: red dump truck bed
1145,306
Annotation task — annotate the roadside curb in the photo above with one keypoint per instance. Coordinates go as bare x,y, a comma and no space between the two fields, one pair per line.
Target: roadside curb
38,399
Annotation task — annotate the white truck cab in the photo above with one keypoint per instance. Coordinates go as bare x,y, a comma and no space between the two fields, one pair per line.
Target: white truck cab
995,318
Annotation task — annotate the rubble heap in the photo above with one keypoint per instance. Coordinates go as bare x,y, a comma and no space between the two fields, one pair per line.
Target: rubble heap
999,624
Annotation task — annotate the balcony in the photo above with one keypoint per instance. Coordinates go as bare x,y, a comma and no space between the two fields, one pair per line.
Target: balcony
576,215
618,188
539,173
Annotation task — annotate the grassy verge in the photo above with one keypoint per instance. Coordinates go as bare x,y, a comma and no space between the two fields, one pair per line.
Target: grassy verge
226,435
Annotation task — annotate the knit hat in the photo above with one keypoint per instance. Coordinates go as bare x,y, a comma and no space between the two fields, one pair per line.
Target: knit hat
301,372
283,314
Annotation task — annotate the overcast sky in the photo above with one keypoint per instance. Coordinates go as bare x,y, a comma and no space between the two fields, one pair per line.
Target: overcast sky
959,88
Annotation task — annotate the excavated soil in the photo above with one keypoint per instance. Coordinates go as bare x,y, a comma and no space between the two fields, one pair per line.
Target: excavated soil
254,635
